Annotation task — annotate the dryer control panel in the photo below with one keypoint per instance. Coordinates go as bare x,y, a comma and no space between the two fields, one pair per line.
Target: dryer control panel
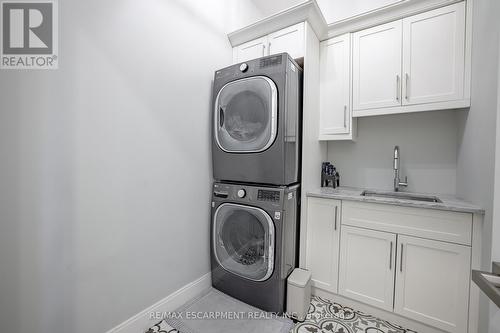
268,195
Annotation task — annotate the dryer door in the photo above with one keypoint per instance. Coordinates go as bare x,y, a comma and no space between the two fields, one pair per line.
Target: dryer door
243,241
246,115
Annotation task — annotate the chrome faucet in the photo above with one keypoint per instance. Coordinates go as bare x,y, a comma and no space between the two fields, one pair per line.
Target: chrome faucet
397,181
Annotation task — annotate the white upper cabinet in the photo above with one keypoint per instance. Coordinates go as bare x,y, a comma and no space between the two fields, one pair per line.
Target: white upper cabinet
414,64
432,282
433,61
254,49
367,265
377,56
290,40
323,234
334,76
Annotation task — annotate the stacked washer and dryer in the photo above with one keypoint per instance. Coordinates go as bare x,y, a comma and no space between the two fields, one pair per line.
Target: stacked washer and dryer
256,150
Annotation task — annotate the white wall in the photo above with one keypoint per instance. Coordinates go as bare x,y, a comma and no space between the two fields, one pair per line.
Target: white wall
476,154
338,10
495,232
242,14
428,147
268,8
494,326
106,168
333,10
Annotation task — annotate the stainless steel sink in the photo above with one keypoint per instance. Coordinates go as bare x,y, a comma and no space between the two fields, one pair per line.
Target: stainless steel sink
401,195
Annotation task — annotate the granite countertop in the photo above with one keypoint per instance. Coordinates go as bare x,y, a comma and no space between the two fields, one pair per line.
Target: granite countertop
449,203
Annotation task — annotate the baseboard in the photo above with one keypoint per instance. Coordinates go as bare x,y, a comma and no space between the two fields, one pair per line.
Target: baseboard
141,321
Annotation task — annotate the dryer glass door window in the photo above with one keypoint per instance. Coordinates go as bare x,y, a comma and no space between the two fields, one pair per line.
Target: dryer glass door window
246,115
243,241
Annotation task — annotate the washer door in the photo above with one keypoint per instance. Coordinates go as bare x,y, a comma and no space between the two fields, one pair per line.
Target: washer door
243,240
246,115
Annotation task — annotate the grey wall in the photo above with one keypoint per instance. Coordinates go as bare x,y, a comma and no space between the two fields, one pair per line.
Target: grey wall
428,147
105,164
476,154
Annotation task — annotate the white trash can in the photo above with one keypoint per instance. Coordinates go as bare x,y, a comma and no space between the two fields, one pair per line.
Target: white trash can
298,293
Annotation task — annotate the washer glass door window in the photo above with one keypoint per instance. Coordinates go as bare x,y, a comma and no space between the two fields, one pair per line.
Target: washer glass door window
244,241
246,115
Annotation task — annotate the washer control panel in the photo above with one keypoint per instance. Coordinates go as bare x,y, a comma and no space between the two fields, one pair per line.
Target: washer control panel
248,194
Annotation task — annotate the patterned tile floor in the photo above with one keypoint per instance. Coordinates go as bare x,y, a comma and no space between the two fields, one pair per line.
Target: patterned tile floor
326,317
329,317
162,327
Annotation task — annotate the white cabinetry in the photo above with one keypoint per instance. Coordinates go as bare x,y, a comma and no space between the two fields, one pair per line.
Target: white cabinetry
433,62
367,266
336,121
377,56
323,233
432,282
254,49
290,40
414,64
414,262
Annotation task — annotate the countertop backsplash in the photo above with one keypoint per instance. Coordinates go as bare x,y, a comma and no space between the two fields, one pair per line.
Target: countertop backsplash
428,148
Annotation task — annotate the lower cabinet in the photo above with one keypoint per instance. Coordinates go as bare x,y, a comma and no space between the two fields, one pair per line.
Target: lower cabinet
427,279
376,254
432,282
367,266
323,234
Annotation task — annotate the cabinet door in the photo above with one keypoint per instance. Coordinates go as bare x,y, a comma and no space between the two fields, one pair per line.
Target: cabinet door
290,40
433,55
254,49
322,250
432,282
377,66
367,266
335,115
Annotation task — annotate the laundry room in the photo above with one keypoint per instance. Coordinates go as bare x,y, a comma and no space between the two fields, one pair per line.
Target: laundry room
250,166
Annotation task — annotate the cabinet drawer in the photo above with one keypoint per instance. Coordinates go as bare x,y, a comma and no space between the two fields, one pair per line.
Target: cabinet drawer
426,223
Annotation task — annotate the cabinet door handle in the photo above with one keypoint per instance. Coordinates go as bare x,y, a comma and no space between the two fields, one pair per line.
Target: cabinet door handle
263,49
398,87
401,260
345,116
336,209
407,94
390,259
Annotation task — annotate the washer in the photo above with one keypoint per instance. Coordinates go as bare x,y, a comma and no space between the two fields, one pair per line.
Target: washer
257,121
253,242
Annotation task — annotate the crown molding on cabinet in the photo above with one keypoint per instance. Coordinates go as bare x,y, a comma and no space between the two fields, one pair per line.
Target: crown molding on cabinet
307,11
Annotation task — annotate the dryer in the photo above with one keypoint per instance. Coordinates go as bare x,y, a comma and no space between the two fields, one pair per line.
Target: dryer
257,110
253,242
